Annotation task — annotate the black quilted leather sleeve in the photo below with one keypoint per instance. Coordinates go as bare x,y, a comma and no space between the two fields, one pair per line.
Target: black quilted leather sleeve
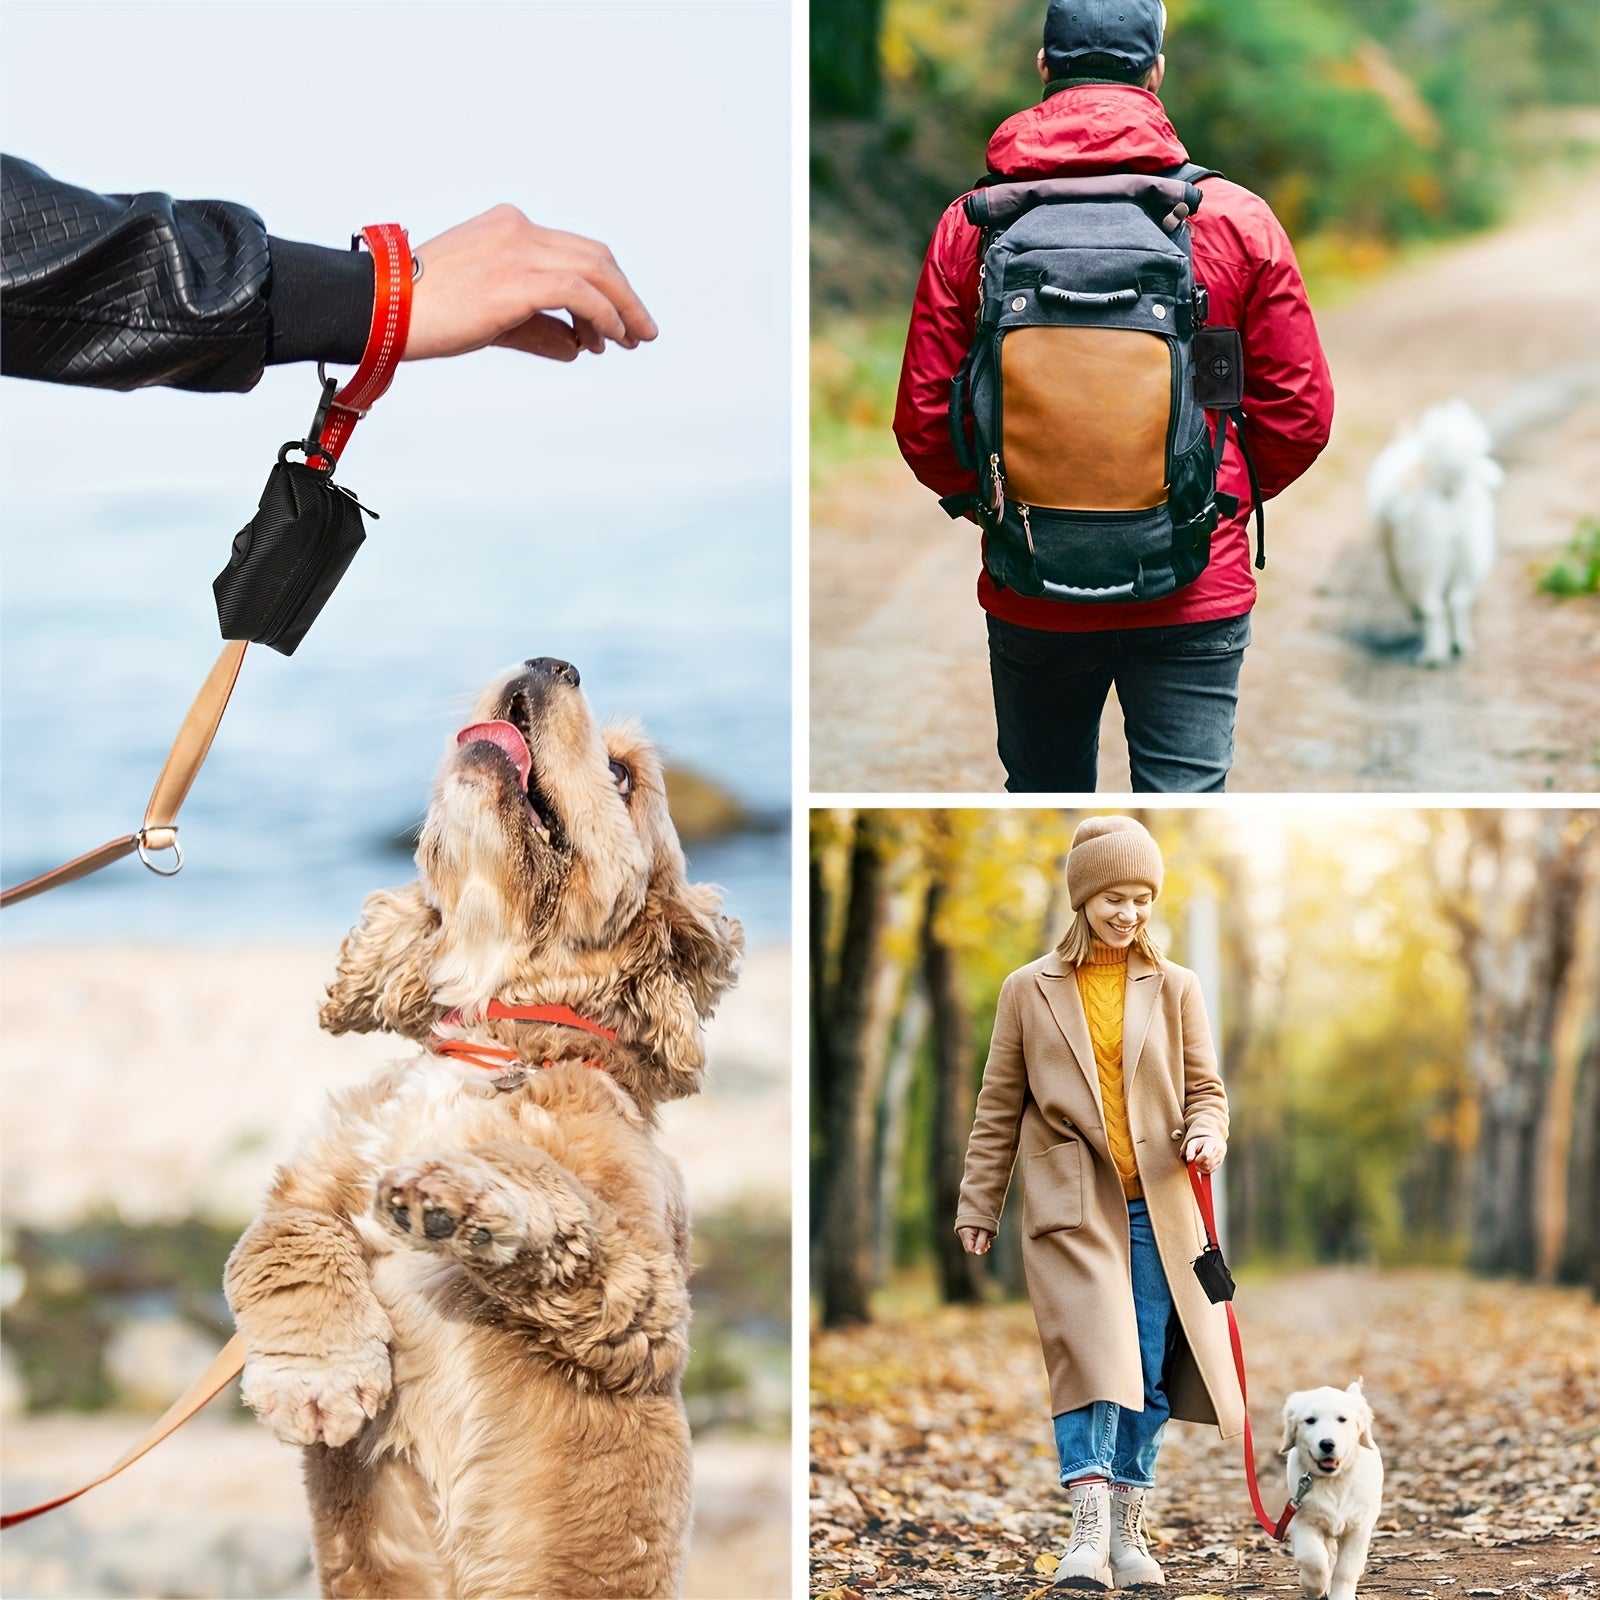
121,291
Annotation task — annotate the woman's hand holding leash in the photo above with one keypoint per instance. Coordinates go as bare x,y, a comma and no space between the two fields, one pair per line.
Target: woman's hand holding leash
975,1241
1205,1152
497,279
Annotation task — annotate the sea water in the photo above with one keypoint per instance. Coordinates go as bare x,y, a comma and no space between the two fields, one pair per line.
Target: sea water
675,612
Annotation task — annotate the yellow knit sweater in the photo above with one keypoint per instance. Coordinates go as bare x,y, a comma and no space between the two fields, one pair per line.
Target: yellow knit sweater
1102,981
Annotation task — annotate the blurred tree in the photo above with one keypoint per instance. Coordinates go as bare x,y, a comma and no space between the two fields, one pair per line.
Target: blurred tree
1511,883
846,75
843,1075
950,1038
1577,1103
1580,1251
911,1028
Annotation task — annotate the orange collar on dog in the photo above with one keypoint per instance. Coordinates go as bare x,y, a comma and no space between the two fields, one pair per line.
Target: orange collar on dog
495,1056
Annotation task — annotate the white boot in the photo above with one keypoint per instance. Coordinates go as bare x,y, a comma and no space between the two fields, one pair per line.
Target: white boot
1132,1565
1085,1565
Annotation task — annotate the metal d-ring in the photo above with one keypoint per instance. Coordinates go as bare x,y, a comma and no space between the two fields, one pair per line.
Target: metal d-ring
175,847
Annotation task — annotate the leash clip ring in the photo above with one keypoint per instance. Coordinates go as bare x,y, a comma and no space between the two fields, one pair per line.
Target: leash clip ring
175,847
330,387
1301,1490
309,448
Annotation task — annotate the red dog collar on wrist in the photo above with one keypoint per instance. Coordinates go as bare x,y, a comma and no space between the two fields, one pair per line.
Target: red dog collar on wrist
386,341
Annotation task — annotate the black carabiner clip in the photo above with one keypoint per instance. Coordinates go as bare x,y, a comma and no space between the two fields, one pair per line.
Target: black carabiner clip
319,418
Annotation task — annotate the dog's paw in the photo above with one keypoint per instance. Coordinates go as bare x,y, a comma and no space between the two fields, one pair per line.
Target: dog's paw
318,1399
462,1208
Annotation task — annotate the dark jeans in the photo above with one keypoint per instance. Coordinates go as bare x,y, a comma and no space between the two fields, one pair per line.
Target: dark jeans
1178,688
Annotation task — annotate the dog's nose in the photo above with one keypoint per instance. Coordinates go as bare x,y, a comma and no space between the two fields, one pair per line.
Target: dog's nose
562,671
1325,1446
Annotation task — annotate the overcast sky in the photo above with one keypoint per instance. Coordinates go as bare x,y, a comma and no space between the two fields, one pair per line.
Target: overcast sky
660,127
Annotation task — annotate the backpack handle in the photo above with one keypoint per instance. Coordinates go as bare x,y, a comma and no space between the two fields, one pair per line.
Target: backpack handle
1168,201
1117,298
1117,591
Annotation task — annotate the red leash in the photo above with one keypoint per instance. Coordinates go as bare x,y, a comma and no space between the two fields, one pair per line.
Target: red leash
1200,1182
386,339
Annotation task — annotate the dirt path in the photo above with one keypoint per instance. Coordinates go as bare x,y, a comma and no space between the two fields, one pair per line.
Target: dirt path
1330,698
933,1475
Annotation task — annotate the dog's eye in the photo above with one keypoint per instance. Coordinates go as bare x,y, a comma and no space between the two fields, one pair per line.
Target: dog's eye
1311,1422
623,779
1341,1419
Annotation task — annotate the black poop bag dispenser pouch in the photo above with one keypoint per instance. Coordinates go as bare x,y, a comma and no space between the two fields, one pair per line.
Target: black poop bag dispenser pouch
289,557
1212,1271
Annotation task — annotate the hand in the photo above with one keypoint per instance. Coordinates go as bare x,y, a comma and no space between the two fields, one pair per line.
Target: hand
1205,1152
975,1241
498,278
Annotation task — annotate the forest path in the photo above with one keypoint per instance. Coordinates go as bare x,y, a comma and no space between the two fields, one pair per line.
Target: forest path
1331,699
934,1476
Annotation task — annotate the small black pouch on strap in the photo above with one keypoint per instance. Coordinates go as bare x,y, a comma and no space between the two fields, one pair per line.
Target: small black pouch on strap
1212,1271
288,559
1218,355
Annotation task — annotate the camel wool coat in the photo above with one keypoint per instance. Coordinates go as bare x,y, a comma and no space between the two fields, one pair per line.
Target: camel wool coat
1040,1106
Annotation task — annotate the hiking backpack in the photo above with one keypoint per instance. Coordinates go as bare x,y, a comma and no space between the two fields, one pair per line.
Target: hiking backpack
1081,402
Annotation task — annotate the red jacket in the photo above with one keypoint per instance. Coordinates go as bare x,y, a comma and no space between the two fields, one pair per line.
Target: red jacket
1241,255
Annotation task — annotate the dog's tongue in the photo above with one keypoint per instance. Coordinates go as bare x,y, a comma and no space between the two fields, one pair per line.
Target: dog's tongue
505,737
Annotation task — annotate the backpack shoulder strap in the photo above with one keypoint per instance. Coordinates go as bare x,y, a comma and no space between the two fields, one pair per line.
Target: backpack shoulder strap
1190,173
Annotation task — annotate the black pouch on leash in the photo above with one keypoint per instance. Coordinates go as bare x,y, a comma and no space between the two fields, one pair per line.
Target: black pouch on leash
288,559
1212,1271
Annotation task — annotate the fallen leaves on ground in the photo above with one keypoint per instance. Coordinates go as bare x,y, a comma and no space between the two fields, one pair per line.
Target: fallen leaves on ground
934,1472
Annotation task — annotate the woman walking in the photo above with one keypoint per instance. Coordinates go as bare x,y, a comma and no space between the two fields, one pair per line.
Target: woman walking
1102,1075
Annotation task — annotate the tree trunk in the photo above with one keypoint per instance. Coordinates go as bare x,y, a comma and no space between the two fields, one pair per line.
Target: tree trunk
846,79
897,1078
954,1103
1579,1260
1580,1252
1515,905
846,1103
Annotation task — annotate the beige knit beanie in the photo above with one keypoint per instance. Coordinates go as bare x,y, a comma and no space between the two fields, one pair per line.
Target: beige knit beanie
1107,851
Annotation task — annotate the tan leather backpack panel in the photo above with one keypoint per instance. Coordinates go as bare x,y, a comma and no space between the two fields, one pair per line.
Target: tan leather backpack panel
1085,415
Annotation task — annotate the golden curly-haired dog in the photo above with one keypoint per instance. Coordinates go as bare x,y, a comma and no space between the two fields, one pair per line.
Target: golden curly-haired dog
467,1294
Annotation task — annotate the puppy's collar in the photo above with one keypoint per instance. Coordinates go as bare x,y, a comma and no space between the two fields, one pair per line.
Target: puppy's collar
496,1057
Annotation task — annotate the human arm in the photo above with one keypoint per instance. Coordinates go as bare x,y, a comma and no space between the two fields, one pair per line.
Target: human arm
996,1126
125,291
944,316
1288,390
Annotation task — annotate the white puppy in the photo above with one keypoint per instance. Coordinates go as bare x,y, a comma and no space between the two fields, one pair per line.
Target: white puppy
1327,1434
1431,493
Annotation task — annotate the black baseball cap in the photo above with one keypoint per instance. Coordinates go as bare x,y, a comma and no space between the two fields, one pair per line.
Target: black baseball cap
1119,36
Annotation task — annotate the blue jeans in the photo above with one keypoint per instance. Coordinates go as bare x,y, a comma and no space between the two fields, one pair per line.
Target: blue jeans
1107,1440
1178,688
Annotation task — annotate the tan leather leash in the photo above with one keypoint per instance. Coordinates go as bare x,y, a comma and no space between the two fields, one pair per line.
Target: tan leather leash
335,421
159,830
227,1366
1200,1182
229,1362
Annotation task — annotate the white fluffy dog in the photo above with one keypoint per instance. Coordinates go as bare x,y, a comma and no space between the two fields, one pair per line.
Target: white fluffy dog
1327,1434
1431,493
